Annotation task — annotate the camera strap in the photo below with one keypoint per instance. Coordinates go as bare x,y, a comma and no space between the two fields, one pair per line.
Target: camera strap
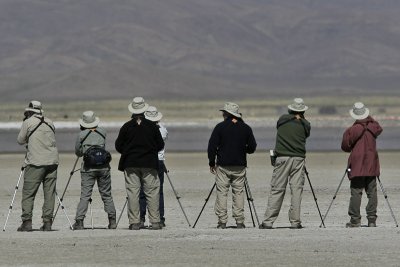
40,123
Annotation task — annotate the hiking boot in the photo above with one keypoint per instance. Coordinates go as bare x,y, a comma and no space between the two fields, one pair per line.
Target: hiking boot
264,226
26,226
240,226
46,226
78,225
134,226
155,226
221,225
112,223
371,223
352,225
296,226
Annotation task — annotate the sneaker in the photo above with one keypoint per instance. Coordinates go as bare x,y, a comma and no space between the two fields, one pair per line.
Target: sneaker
142,225
296,226
352,225
264,226
78,225
371,224
155,226
26,226
46,226
112,223
134,226
221,225
240,226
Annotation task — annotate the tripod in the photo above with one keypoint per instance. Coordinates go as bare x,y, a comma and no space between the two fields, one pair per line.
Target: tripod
66,186
13,198
383,191
249,199
334,197
63,209
176,195
315,198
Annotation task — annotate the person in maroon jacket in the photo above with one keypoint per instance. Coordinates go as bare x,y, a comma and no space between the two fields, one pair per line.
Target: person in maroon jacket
363,163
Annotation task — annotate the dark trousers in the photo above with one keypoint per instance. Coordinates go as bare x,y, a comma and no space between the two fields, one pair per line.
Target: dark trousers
142,197
357,185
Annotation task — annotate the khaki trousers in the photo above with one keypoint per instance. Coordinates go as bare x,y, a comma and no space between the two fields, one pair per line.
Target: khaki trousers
357,185
230,176
88,179
146,178
287,170
33,177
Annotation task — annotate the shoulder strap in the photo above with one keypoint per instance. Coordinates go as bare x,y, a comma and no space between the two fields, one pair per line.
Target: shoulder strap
99,134
40,123
86,136
292,119
90,131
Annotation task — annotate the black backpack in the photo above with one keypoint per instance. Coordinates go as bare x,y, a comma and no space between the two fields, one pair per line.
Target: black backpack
96,156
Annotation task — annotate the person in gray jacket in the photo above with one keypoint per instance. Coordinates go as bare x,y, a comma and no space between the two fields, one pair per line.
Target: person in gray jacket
93,136
38,135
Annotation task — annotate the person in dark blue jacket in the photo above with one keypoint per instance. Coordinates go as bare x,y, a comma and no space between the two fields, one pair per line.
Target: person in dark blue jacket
229,143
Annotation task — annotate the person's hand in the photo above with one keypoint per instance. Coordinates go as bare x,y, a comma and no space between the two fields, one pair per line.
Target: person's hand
213,169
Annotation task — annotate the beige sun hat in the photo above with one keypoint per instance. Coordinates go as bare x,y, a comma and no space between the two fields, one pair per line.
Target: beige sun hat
138,106
232,108
153,114
359,111
89,120
35,106
298,105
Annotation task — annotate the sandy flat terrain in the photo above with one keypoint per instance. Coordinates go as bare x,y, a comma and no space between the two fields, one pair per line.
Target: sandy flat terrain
180,245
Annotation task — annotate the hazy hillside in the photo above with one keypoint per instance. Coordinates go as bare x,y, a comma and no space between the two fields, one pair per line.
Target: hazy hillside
76,49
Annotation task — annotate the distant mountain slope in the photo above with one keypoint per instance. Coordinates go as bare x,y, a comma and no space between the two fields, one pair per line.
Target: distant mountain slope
73,49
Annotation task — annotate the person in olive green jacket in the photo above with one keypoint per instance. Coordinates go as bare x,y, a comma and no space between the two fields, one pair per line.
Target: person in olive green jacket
38,135
292,131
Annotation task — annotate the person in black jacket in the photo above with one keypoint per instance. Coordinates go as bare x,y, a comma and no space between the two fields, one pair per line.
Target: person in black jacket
139,141
229,143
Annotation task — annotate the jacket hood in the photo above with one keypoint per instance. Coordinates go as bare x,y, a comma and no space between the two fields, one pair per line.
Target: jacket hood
371,125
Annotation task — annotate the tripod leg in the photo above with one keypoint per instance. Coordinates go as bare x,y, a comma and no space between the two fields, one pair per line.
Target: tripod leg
13,198
66,186
176,195
91,213
208,197
387,201
250,198
248,201
315,198
334,197
63,209
122,211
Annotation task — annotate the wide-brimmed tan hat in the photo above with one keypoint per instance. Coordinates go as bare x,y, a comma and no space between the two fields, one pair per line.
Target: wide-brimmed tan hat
153,114
232,108
359,111
89,120
298,105
35,106
138,106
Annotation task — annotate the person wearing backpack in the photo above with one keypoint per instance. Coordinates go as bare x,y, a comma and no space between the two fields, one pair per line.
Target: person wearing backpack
38,135
90,144
363,163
